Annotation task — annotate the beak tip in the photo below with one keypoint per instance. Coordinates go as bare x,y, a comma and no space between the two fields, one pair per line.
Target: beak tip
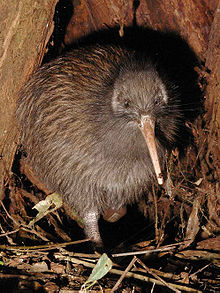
160,180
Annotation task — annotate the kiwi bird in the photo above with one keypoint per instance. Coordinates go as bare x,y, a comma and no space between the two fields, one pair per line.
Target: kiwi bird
96,124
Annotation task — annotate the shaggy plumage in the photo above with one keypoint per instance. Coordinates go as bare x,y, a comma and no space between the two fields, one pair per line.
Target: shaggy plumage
79,118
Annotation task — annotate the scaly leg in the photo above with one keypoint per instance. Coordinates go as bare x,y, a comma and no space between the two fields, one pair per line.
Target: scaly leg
91,227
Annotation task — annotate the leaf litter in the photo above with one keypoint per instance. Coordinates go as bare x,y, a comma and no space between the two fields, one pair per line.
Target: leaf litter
178,251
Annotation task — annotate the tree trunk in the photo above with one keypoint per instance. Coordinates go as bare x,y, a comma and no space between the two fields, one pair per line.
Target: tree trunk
25,28
212,56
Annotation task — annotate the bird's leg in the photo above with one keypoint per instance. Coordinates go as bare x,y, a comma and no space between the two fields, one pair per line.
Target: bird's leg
91,227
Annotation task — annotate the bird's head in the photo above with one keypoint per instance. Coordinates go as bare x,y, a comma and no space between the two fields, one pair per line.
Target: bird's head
141,98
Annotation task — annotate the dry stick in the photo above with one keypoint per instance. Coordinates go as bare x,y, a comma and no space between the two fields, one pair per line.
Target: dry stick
10,240
200,270
146,252
156,215
22,226
43,247
159,273
10,217
124,274
74,260
149,251
30,230
10,232
152,289
157,277
32,277
128,275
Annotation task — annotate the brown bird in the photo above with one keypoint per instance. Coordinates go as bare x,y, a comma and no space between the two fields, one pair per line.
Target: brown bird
96,125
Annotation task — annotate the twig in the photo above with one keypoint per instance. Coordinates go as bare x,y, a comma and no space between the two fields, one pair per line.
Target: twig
200,270
22,226
157,277
5,234
74,260
7,213
42,247
149,251
156,215
159,273
152,289
10,240
29,276
124,274
31,230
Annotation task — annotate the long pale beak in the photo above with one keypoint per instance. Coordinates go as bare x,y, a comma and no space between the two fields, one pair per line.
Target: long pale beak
147,127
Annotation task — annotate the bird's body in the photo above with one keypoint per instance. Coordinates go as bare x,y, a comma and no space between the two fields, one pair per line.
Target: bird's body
80,119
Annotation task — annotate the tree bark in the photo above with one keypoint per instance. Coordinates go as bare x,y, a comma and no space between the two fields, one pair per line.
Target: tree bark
212,102
25,28
192,19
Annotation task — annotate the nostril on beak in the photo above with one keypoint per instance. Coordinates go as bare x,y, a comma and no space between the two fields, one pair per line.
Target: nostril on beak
145,118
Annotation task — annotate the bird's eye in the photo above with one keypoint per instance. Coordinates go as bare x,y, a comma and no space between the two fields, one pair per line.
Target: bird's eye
127,104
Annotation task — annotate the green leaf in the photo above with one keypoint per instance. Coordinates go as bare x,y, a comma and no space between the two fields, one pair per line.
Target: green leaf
102,267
